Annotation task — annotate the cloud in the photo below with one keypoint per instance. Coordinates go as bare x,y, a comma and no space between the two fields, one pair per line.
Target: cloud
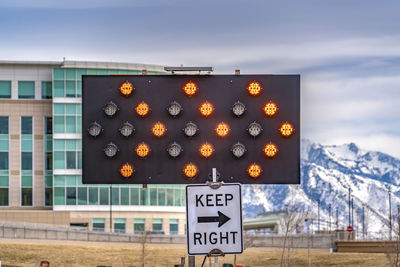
386,143
81,4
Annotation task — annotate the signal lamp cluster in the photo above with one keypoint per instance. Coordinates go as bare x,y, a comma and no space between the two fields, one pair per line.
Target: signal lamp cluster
110,109
159,129
206,109
126,88
190,170
142,109
254,170
206,150
190,88
126,170
222,129
142,150
254,88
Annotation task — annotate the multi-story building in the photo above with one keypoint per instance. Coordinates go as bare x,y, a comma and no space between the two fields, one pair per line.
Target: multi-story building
40,155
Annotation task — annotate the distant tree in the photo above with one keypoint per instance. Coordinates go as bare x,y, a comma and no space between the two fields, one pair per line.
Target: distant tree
293,218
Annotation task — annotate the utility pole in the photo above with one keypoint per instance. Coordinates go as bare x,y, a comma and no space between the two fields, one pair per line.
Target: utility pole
398,218
337,219
318,218
349,207
352,211
329,208
390,216
363,221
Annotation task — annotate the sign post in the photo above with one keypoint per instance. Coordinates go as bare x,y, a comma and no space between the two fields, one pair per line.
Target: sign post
214,219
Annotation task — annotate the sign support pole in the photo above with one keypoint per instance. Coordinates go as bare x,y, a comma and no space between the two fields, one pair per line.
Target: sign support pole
215,180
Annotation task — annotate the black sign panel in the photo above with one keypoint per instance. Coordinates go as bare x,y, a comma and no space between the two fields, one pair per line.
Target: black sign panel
247,153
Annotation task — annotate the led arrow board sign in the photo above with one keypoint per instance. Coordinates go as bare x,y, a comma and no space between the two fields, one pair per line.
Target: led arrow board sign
214,219
172,129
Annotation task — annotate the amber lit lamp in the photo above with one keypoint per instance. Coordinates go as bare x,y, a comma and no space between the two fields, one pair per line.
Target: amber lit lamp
222,129
270,109
254,170
206,109
270,150
190,170
142,150
206,150
286,129
254,88
126,170
158,129
190,88
126,88
142,109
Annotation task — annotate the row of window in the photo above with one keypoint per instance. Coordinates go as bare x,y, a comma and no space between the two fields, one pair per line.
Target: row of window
99,224
26,89
124,196
26,160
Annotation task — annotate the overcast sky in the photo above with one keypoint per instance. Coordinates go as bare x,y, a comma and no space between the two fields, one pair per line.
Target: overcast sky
347,52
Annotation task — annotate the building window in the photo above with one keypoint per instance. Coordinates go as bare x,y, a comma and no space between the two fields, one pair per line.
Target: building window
3,196
173,226
59,195
26,125
124,196
120,225
71,195
46,90
48,161
3,125
103,196
161,196
134,196
144,196
153,196
26,90
26,161
5,89
138,226
99,225
26,197
67,154
3,160
48,125
157,225
114,195
67,118
82,196
93,196
48,189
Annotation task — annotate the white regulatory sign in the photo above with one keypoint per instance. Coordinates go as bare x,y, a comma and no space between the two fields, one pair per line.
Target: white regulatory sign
214,219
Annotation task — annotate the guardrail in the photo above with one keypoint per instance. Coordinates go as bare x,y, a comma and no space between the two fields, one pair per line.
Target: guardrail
76,234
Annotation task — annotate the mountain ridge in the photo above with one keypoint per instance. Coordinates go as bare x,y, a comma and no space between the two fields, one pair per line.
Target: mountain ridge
327,173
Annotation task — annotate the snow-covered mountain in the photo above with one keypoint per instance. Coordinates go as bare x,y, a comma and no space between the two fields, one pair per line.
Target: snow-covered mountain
327,173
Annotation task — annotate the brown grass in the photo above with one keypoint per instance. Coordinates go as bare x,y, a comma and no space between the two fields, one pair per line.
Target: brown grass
29,253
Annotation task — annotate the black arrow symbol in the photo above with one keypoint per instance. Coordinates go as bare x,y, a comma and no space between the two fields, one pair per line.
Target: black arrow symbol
221,219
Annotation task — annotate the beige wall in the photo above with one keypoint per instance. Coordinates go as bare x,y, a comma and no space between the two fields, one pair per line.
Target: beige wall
14,109
28,217
87,216
64,218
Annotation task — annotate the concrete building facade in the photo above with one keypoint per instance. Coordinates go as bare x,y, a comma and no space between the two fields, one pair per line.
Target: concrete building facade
40,155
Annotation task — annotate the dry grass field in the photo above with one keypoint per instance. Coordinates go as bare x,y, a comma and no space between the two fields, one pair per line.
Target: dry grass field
30,252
